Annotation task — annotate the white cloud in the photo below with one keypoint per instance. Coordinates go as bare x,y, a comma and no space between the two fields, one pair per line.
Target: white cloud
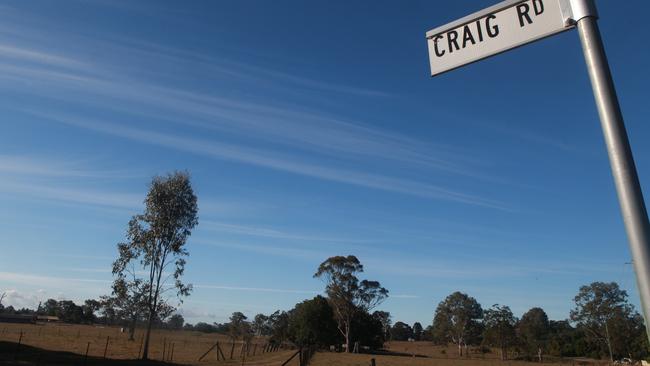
255,289
59,192
268,159
20,299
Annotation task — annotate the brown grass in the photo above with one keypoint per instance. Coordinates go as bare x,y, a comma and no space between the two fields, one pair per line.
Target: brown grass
188,346
343,359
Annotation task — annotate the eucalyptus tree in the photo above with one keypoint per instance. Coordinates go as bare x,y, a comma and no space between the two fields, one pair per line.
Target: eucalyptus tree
417,331
346,293
499,330
457,320
155,250
597,306
534,330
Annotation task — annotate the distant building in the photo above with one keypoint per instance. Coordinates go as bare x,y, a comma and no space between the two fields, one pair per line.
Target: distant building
47,319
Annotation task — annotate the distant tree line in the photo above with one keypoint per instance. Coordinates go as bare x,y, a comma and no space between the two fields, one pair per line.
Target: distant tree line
602,325
91,311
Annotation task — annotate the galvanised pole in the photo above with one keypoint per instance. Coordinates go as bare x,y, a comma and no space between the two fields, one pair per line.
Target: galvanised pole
624,171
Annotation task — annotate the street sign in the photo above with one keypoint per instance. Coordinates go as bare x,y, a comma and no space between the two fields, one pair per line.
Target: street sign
514,23
490,31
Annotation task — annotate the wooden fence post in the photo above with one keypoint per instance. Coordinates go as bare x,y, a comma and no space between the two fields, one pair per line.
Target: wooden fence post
254,349
208,351
372,362
20,339
171,358
106,347
291,358
164,348
232,349
223,357
86,355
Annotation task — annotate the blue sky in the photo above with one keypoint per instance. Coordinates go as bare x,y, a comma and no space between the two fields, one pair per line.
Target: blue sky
311,129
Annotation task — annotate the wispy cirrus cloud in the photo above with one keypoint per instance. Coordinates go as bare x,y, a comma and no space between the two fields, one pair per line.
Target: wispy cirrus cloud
62,193
276,161
255,289
268,232
25,165
249,122
8,51
45,281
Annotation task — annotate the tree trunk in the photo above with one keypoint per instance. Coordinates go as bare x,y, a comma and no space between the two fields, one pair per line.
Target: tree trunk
145,349
134,319
609,344
347,337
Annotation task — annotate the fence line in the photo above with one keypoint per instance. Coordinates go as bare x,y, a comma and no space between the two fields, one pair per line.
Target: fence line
87,345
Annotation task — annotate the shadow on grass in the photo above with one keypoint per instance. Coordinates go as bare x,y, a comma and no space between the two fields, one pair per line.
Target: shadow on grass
384,352
12,354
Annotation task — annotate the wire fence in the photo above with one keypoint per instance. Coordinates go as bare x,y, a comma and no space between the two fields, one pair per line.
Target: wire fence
81,345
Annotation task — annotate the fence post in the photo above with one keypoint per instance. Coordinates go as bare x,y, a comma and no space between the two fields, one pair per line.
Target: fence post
86,355
208,351
164,348
106,347
232,349
171,358
291,358
20,339
372,362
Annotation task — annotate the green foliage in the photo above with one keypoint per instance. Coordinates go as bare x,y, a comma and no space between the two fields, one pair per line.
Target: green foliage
347,295
401,332
156,243
367,330
427,334
260,325
499,323
279,323
66,310
312,323
457,320
534,330
238,326
417,331
608,320
176,322
385,320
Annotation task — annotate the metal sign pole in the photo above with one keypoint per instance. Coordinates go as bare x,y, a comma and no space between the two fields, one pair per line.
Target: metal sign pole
630,196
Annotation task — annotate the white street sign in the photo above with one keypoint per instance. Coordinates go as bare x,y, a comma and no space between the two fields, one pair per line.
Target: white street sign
504,26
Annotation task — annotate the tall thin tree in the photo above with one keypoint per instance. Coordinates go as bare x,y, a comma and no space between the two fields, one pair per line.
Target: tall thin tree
156,244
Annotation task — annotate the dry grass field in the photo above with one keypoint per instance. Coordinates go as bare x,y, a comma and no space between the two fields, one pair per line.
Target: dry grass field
186,346
343,359
73,340
426,354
